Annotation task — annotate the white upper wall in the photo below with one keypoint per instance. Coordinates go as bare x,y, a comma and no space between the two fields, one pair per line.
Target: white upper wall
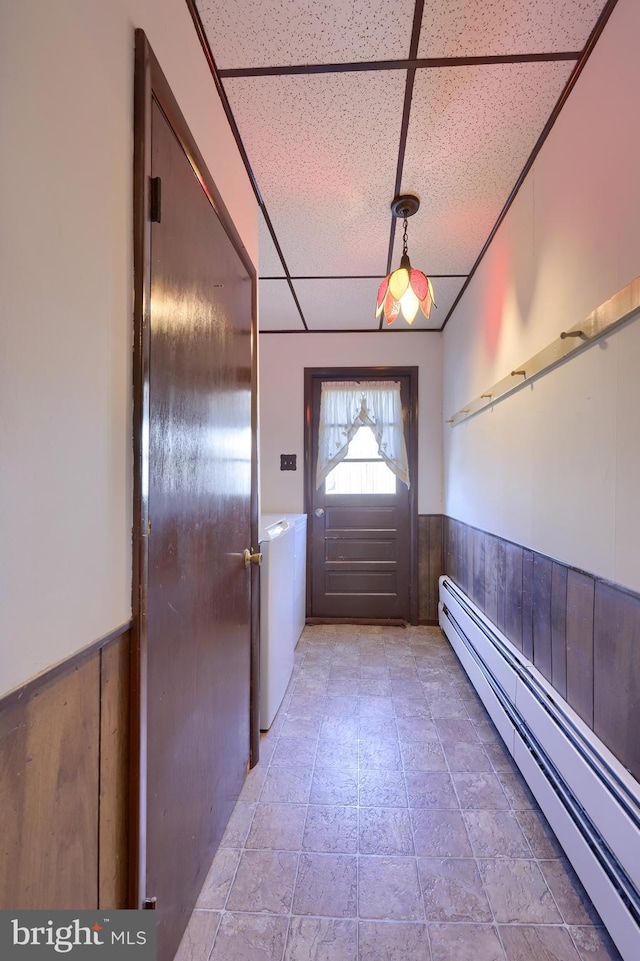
283,358
555,466
66,117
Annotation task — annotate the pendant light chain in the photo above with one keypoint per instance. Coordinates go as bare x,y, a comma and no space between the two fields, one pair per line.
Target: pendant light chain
406,290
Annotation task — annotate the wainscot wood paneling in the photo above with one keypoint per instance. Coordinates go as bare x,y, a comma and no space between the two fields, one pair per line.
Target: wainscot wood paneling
435,563
430,566
527,603
513,594
63,784
114,774
478,555
468,541
448,546
491,574
559,628
583,634
542,572
49,794
616,674
580,600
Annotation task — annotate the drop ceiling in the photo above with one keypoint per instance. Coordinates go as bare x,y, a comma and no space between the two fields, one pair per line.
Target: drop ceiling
339,106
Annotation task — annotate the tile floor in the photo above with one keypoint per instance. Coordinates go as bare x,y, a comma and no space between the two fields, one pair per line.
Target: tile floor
385,822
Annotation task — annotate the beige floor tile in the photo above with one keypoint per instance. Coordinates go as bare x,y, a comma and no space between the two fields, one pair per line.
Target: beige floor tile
393,941
250,937
385,831
277,826
594,944
321,939
455,729
496,834
326,886
536,942
440,834
466,757
388,888
518,892
569,894
429,790
264,882
452,890
331,828
285,784
238,825
199,936
382,753
423,756
331,786
379,788
538,833
218,883
465,942
519,796
480,791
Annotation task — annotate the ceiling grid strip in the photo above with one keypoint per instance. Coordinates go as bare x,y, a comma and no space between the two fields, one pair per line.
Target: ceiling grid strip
412,63
404,129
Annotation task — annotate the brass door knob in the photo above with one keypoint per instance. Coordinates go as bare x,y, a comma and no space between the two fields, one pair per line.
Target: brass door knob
251,557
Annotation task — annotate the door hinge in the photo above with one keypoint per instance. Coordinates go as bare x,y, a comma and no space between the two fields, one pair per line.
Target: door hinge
155,200
150,904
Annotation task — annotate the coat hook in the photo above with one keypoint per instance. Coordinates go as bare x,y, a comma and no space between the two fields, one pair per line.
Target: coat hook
522,373
572,333
486,395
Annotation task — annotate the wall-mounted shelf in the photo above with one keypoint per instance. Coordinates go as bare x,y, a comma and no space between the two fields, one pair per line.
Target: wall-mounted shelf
599,322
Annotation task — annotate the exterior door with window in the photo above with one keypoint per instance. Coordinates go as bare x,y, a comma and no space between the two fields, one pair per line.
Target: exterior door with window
362,522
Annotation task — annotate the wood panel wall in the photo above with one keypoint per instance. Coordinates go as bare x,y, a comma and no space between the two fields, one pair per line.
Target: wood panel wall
430,566
581,632
64,768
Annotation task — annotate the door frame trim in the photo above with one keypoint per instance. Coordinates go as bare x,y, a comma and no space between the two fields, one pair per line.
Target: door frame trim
312,374
151,84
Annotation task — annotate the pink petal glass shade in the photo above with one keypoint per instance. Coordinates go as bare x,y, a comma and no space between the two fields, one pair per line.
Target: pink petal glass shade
404,292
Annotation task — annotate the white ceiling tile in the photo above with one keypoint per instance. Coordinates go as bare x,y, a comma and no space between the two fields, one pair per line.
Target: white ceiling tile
276,307
470,134
269,261
324,151
445,290
261,33
350,304
458,28
346,304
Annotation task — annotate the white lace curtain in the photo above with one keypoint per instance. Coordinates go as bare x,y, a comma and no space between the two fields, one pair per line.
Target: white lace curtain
347,405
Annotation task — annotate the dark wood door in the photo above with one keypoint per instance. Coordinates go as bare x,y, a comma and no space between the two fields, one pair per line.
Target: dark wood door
361,561
196,596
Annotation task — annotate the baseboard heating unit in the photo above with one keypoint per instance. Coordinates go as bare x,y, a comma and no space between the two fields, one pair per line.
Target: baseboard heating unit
590,800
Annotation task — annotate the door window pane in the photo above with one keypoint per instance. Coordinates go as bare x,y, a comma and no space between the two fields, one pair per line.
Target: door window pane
362,471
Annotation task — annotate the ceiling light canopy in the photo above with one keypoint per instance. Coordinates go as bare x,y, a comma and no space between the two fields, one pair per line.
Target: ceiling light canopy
405,290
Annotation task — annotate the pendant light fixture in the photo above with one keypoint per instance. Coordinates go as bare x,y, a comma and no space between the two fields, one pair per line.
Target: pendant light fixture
405,290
